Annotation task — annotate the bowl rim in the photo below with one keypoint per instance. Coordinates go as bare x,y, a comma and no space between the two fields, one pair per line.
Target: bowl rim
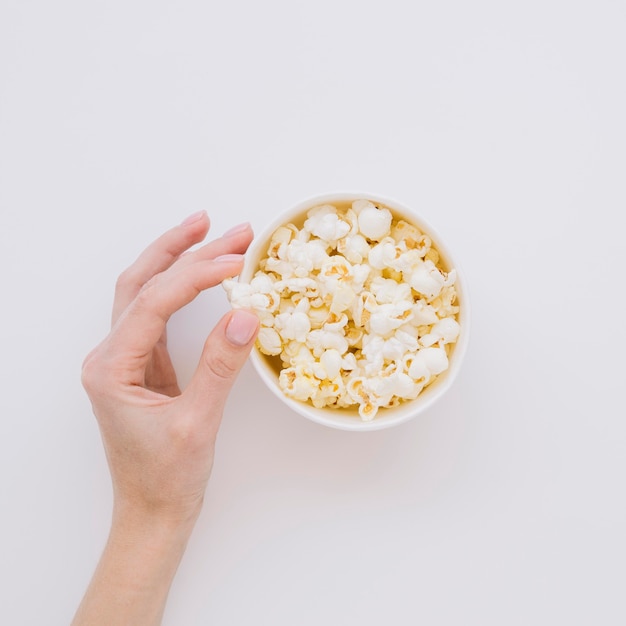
349,420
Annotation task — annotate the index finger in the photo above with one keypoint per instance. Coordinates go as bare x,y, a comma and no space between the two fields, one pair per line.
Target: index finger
140,326
156,258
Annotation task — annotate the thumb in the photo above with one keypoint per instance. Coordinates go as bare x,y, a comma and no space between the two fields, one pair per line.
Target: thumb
225,352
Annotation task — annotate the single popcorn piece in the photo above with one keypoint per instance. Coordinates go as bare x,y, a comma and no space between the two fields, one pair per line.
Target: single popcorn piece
444,331
324,223
294,325
270,341
435,359
299,383
356,307
374,223
428,280
331,361
383,254
388,317
335,323
354,247
409,234
322,339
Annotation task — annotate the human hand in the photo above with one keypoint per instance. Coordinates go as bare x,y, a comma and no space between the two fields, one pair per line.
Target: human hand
159,442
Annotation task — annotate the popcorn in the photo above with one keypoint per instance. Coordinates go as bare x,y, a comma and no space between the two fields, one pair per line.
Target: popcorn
427,363
324,223
270,341
260,296
354,247
427,279
294,325
298,383
331,362
374,223
360,391
357,307
335,324
359,205
424,314
388,317
383,254
444,331
319,316
403,231
298,354
322,339
343,297
435,359
386,290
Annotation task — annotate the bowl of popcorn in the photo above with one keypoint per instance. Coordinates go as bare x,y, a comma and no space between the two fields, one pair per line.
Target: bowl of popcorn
364,316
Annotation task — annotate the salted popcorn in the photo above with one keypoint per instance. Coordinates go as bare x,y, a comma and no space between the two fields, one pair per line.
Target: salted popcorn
355,306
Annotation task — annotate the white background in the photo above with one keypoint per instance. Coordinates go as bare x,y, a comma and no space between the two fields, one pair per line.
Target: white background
503,124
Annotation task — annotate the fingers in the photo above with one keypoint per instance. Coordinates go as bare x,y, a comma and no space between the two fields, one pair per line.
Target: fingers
167,250
225,352
143,322
235,241
157,257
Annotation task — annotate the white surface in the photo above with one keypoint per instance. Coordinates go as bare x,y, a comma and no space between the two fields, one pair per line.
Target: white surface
503,123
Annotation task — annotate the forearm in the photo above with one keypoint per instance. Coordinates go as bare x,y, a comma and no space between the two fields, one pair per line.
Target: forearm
133,578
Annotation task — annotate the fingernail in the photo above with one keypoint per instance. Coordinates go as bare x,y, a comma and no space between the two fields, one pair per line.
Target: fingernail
194,217
241,327
235,230
229,258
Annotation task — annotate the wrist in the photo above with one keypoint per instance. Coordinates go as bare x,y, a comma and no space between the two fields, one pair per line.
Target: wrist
134,517
137,566
151,541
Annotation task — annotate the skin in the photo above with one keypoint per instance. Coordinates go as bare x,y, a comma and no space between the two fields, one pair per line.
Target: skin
159,441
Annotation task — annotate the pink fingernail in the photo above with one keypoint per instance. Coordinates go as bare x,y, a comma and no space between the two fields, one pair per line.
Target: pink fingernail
194,217
241,327
235,230
229,258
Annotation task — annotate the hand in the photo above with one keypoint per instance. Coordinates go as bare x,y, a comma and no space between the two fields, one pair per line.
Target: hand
159,442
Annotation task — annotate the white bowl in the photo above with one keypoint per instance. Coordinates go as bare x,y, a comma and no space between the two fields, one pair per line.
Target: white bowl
348,419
